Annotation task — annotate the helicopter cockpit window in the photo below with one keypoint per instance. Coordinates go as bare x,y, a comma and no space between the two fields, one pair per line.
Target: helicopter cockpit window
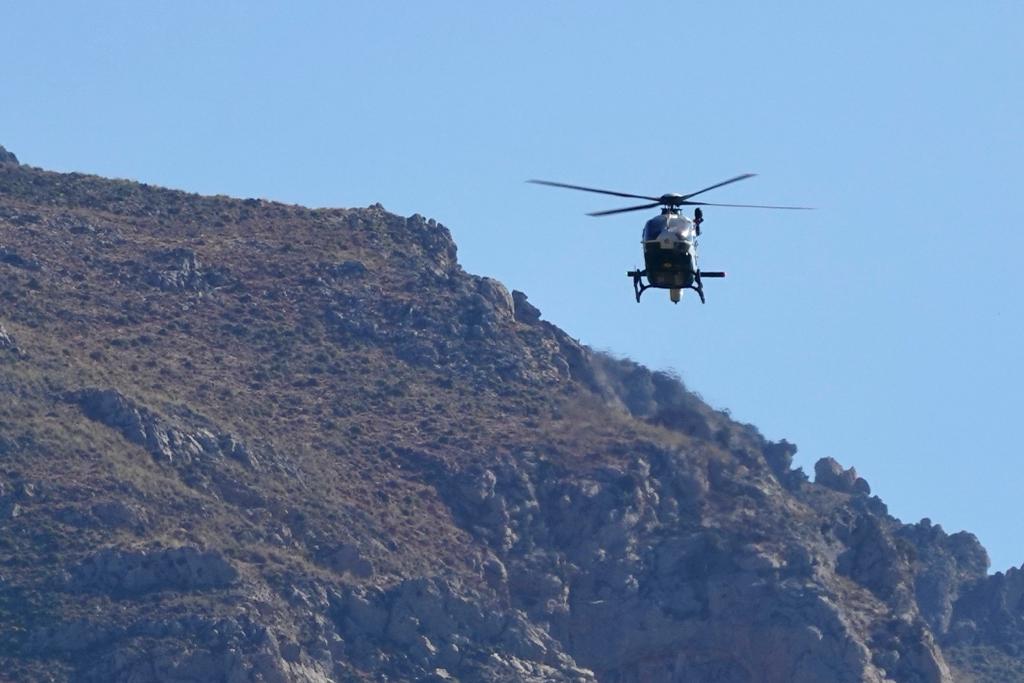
652,230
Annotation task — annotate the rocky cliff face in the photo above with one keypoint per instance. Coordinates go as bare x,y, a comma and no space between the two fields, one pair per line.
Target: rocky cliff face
244,441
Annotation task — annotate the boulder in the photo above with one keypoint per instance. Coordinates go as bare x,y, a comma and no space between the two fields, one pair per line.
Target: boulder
347,559
116,514
6,340
350,268
497,295
828,472
7,157
524,311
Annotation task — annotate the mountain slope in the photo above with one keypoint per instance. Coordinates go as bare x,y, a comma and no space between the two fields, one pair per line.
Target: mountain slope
249,441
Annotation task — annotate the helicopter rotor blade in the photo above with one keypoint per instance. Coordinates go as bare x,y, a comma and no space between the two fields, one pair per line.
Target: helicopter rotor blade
628,208
750,206
724,182
591,189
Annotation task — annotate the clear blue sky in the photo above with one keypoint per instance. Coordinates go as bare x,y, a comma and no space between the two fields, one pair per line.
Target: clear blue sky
884,329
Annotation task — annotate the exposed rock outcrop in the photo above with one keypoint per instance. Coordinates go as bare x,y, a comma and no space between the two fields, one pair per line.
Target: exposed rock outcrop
945,565
622,566
165,440
181,270
192,647
428,625
128,573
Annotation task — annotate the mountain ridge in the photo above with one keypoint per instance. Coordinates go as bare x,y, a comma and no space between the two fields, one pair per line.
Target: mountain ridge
247,440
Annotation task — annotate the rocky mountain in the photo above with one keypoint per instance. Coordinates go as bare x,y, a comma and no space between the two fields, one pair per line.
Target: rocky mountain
247,441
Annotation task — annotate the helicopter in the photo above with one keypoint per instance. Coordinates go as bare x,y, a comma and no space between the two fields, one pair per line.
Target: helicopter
670,239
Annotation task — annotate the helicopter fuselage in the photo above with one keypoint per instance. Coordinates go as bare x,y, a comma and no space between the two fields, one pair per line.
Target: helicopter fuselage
670,256
670,251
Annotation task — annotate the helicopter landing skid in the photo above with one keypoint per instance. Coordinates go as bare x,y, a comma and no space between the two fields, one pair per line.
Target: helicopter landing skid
638,285
698,286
